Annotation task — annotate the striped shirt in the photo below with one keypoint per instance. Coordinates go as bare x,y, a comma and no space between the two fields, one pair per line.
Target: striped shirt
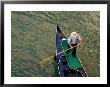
74,39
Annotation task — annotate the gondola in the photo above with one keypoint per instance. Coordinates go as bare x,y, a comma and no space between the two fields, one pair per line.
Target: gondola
68,64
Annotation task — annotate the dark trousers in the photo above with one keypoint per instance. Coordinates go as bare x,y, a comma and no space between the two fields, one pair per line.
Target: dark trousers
74,49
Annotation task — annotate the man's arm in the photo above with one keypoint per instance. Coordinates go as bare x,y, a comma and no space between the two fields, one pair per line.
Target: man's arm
79,41
70,45
69,42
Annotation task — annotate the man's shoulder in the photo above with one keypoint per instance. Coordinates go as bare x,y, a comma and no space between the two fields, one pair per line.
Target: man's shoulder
78,35
69,37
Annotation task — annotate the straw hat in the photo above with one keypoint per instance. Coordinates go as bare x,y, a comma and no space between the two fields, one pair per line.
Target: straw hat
73,33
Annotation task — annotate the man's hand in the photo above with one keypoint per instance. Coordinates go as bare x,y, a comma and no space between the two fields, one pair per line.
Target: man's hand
79,46
70,46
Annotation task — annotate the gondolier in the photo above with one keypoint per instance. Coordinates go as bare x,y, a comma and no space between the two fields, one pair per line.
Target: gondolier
73,40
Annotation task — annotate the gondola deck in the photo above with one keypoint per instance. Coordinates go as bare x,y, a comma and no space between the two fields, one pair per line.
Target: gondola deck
73,61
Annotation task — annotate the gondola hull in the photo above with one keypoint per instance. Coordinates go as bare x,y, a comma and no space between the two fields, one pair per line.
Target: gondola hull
68,64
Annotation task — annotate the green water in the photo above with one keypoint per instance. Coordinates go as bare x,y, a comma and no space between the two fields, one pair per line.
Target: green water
33,39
